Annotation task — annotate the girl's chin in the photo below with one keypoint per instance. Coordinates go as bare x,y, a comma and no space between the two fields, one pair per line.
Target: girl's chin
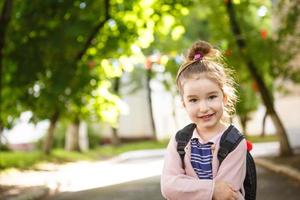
211,124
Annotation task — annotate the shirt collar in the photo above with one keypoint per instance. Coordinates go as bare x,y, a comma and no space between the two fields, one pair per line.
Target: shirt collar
213,139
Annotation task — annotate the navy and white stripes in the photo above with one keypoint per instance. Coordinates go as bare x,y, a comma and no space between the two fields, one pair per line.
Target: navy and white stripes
201,158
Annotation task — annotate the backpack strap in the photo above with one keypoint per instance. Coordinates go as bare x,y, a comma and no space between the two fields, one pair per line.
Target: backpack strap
182,138
229,141
250,182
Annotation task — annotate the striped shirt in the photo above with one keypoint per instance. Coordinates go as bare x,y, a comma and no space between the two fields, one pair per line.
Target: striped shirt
201,158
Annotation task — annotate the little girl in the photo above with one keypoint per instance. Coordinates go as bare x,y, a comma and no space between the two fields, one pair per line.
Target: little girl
208,97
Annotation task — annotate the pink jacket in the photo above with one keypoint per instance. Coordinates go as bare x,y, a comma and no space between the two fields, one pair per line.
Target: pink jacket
177,183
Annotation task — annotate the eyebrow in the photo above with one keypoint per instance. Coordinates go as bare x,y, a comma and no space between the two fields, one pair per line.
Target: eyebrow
191,96
210,93
213,92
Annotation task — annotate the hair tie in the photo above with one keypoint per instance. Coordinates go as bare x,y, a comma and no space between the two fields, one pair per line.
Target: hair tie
197,56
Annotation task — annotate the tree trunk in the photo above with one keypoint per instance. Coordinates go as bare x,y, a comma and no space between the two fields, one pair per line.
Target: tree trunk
244,120
49,137
264,125
149,72
115,140
5,16
83,136
285,149
72,136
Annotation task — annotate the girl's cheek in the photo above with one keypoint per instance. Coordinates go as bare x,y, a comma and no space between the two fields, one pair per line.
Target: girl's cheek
191,109
193,106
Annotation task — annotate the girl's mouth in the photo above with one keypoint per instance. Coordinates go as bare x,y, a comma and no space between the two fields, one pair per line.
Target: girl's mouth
206,117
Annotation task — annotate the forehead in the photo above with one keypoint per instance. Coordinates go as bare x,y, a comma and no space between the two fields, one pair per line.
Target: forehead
200,86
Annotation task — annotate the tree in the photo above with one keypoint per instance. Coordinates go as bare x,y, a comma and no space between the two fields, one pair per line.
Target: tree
56,36
62,81
122,27
285,148
72,135
5,17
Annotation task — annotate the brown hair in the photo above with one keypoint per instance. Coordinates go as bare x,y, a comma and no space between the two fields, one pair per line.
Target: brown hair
210,64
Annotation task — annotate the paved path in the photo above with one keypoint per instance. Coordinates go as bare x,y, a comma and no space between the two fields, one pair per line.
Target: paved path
134,175
273,186
270,187
136,190
87,175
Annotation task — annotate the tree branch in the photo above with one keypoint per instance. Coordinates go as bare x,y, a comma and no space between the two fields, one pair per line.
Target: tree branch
94,32
241,43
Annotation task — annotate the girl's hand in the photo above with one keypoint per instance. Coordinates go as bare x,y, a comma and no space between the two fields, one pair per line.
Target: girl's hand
224,191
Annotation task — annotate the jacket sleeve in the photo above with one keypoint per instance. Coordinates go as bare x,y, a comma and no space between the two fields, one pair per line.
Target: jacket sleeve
175,184
233,168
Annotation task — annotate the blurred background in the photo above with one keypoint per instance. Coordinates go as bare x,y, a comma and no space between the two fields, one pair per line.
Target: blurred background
94,81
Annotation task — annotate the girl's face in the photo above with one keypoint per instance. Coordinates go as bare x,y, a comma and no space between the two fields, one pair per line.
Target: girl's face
204,102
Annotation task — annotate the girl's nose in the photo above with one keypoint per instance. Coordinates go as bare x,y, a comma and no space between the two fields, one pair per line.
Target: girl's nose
203,107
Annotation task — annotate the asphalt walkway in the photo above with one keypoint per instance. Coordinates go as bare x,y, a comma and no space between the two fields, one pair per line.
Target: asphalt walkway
149,189
136,176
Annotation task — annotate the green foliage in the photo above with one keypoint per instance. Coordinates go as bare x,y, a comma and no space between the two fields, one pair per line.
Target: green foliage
44,73
286,40
52,66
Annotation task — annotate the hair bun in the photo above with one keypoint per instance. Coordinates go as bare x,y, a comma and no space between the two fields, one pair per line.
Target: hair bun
201,47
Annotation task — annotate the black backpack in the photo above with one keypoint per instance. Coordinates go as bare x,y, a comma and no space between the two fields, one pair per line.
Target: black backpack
229,141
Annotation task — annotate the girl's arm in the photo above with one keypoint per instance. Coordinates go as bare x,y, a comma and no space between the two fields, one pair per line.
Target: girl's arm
175,184
233,168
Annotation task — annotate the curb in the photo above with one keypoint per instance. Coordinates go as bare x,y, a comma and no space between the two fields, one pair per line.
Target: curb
278,168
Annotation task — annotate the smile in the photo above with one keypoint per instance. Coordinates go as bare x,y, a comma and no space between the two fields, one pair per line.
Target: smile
206,117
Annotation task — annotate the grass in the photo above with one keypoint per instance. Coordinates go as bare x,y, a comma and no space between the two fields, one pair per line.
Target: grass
19,159
258,138
27,160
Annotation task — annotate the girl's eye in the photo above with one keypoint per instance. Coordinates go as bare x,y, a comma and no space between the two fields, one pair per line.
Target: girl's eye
212,97
192,100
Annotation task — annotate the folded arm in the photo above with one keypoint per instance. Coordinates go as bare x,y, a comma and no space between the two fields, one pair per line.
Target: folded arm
233,168
175,184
